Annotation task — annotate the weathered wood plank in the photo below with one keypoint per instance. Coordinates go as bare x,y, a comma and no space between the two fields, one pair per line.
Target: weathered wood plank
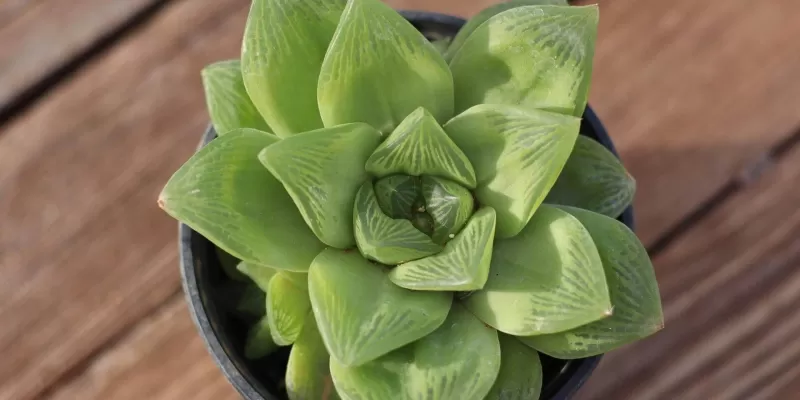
731,288
84,250
693,91
37,37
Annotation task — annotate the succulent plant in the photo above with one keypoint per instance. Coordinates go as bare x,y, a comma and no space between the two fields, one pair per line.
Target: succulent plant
424,219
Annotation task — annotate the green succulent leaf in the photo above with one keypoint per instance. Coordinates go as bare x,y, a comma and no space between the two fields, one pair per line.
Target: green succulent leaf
284,44
228,103
532,56
547,279
419,146
449,205
259,342
517,155
307,372
481,17
251,302
462,265
229,265
379,69
225,194
520,376
397,194
593,179
259,274
287,306
361,314
460,360
634,294
322,170
383,239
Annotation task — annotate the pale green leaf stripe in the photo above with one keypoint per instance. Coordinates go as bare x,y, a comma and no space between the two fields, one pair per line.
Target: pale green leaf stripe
593,179
322,170
383,239
259,342
419,146
532,56
449,204
361,314
547,279
229,106
259,274
520,376
462,265
397,194
225,194
282,51
308,375
634,295
379,68
481,17
517,155
287,306
459,361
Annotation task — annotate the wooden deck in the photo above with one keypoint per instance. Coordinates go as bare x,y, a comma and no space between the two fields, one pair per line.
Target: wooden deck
101,100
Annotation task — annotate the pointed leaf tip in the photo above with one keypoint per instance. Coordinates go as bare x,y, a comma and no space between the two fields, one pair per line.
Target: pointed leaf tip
228,104
419,146
361,314
225,194
637,311
322,170
593,179
533,56
379,69
551,272
459,360
463,264
517,154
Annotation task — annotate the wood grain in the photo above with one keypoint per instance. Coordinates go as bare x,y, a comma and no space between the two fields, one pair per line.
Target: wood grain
37,37
85,252
691,91
730,288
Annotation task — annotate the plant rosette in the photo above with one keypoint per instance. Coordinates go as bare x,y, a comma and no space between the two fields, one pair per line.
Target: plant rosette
415,219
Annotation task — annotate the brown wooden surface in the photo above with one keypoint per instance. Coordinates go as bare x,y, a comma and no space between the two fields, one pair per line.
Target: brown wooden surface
692,92
37,37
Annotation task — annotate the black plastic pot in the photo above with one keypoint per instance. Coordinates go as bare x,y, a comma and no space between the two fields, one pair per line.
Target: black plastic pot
224,334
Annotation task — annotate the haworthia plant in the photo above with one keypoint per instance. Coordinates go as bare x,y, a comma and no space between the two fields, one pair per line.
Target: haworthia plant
415,220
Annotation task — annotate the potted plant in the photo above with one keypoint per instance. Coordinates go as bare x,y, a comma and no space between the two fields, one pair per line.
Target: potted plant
383,216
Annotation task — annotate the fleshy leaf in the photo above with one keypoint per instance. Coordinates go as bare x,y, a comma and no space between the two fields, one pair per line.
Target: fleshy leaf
462,265
282,51
229,106
460,360
287,306
449,204
547,279
383,239
520,376
634,294
322,170
397,194
229,265
379,69
517,155
251,302
308,373
532,56
259,342
361,314
419,146
259,274
593,179
225,194
475,21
